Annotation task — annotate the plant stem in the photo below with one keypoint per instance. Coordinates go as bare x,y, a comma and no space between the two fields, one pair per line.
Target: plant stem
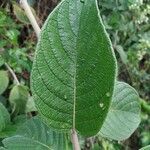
12,73
26,7
75,140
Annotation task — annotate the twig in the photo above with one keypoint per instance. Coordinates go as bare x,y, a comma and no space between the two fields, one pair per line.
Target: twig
75,140
26,7
12,73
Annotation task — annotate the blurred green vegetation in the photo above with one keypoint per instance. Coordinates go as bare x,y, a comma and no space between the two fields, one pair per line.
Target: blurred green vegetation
128,25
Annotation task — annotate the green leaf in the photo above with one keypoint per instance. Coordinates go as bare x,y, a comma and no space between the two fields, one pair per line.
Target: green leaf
124,115
19,120
146,148
4,80
114,20
18,98
3,43
4,117
20,14
1,60
74,68
122,54
13,36
30,105
34,135
10,129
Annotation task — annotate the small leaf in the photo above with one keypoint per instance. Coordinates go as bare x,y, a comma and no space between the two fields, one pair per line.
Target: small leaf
30,105
3,43
146,148
36,135
4,117
114,20
122,54
74,68
10,129
124,115
1,60
4,80
20,14
18,98
13,35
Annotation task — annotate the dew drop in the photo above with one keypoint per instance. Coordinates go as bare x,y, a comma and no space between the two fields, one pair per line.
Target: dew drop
65,97
108,94
101,105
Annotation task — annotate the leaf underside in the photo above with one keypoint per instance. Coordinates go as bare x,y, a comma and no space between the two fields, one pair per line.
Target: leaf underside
124,115
146,148
74,68
34,135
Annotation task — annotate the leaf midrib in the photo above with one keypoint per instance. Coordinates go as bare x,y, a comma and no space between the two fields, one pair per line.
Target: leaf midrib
75,73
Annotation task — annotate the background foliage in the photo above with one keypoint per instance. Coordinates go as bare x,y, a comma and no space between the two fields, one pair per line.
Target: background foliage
128,24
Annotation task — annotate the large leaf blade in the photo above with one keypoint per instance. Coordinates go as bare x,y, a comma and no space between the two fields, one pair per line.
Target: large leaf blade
74,68
124,115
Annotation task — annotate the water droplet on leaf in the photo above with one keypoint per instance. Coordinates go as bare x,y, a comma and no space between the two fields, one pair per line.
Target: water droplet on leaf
108,94
101,105
65,97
